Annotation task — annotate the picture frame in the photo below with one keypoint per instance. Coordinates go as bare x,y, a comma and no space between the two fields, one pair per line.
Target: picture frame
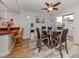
40,19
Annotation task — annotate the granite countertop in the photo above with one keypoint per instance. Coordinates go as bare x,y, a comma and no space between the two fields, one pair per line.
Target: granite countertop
5,31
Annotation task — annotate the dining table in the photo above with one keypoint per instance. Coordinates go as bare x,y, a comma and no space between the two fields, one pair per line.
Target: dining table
50,34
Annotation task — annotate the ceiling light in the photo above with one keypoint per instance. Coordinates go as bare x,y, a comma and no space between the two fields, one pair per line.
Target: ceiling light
50,9
28,17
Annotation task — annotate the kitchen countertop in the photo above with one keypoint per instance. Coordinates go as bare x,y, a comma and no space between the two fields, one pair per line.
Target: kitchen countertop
5,31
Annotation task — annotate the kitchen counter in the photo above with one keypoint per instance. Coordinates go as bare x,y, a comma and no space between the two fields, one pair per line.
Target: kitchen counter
5,31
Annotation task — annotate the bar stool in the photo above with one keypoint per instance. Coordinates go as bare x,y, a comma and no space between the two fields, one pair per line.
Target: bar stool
17,39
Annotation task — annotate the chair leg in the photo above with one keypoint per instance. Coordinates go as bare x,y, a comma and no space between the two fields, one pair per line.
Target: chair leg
39,45
60,51
20,42
39,49
48,43
14,43
22,39
66,47
55,44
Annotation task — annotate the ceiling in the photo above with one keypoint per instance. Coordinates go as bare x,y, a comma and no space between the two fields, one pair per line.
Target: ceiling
36,5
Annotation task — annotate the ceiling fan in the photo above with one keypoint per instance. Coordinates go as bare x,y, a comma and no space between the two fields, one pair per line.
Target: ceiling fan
51,6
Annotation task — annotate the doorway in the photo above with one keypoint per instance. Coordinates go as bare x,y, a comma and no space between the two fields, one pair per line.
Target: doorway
66,21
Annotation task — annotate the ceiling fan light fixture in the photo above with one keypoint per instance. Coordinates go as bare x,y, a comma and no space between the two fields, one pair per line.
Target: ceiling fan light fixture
50,8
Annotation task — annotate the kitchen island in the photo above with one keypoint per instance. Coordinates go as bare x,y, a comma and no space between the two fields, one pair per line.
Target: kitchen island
6,43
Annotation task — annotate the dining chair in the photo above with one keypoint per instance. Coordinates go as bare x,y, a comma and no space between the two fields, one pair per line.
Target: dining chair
40,39
18,38
60,39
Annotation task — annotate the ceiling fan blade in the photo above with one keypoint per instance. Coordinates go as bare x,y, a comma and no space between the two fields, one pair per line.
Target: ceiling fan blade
44,9
46,3
56,4
55,8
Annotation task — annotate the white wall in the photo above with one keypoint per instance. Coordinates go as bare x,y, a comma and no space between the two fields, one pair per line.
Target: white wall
53,21
74,10
25,23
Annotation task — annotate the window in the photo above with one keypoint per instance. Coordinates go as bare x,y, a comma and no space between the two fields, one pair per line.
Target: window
59,21
69,17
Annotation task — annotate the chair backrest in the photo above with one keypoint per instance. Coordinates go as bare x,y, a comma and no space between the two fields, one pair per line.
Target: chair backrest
44,33
64,35
59,28
43,28
20,33
38,33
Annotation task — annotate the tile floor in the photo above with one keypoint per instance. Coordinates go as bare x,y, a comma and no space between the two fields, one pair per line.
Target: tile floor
27,51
